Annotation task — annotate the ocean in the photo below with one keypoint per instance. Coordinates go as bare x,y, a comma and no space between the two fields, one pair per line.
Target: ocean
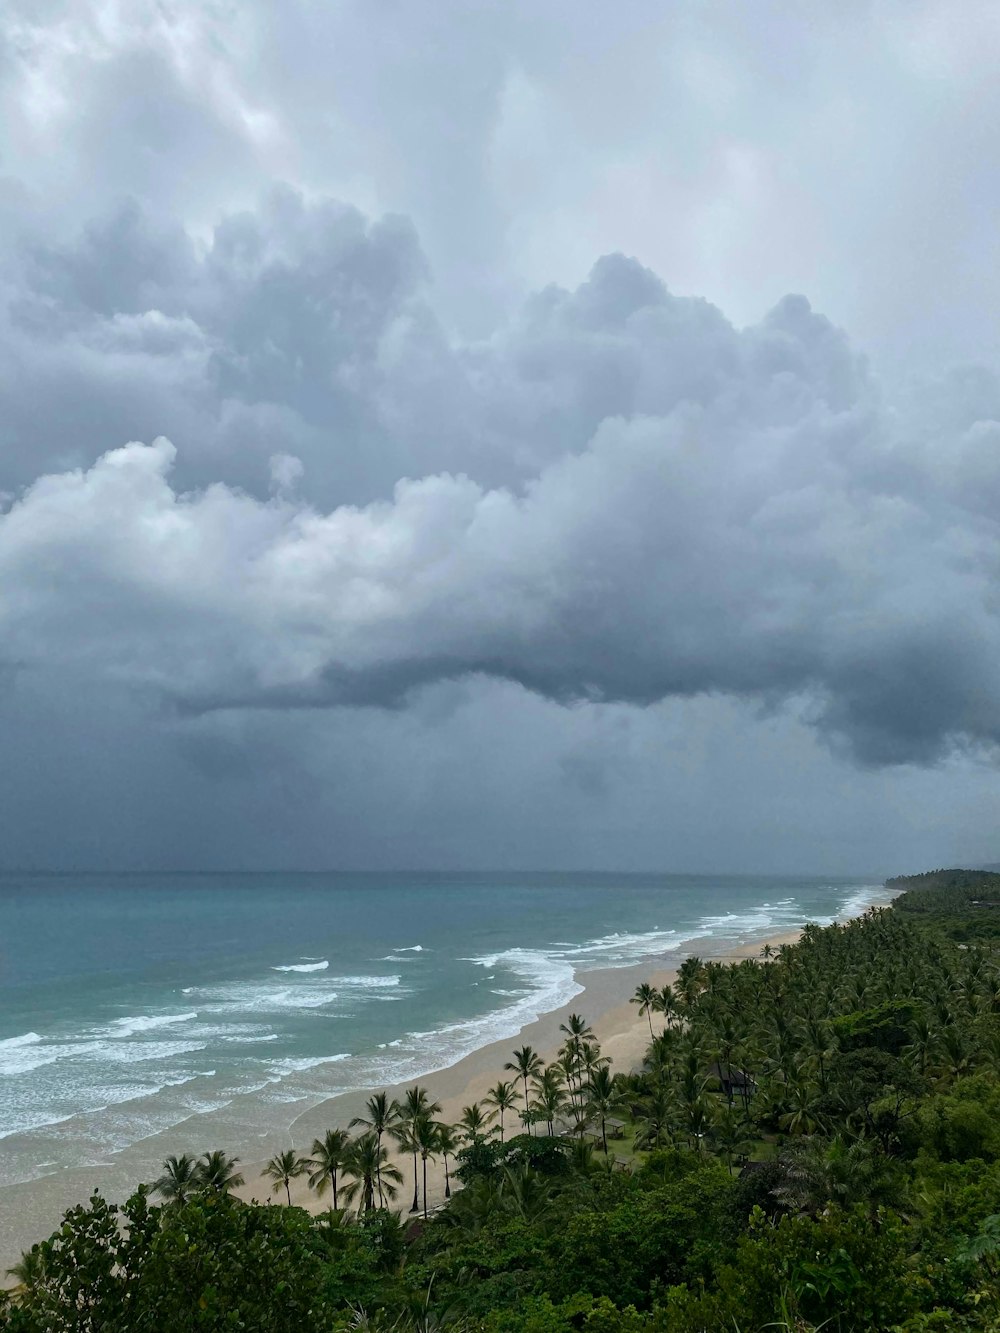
214,1006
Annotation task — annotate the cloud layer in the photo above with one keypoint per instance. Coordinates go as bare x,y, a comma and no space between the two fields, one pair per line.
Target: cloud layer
680,509
438,484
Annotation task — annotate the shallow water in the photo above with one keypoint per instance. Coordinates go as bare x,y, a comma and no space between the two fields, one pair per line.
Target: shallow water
131,1004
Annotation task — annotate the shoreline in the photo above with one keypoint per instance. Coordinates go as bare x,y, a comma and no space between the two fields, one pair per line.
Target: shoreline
31,1210
604,1002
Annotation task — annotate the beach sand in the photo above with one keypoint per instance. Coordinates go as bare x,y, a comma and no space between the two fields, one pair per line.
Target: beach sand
623,1033
32,1210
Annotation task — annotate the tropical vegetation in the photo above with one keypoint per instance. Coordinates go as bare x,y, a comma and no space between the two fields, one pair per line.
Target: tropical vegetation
812,1141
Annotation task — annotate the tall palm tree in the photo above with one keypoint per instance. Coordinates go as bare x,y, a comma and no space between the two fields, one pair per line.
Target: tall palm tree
181,1178
328,1157
666,1004
730,1135
283,1168
382,1115
473,1123
653,1113
447,1142
217,1171
416,1105
577,1030
603,1099
525,1064
550,1097
569,1065
501,1097
816,1037
646,997
366,1164
690,979
427,1141
592,1059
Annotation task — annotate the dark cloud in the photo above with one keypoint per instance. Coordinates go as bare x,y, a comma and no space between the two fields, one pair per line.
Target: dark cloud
692,509
454,519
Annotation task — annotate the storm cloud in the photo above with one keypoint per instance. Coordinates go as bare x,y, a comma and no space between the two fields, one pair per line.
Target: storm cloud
690,509
505,435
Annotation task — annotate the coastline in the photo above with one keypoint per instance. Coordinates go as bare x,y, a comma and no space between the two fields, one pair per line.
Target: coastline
604,1001
31,1210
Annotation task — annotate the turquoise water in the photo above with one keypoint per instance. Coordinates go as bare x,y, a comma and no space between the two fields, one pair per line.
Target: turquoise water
132,1004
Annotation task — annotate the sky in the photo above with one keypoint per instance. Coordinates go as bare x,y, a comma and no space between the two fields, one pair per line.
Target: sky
513,435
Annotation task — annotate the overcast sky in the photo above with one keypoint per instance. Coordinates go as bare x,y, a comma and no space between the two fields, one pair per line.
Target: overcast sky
499,435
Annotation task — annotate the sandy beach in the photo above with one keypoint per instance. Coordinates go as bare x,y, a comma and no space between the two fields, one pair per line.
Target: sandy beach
623,1033
31,1210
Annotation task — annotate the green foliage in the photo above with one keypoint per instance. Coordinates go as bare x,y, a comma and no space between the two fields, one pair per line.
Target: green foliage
488,1158
885,1026
836,1271
209,1264
630,1240
580,1311
955,1128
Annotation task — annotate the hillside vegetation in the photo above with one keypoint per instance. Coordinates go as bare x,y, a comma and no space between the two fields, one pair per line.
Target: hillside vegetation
813,1141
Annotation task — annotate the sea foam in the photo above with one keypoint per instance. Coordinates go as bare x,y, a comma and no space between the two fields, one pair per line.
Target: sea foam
129,1027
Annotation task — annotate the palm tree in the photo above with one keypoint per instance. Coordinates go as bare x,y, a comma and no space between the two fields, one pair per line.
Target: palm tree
577,1030
427,1141
382,1115
502,1097
526,1063
818,1173
815,1034
646,997
283,1168
697,1120
603,1098
580,1115
690,979
652,1113
569,1063
666,1004
591,1058
447,1142
551,1095
473,1123
367,1163
730,1135
328,1157
800,1115
181,1177
416,1105
30,1268
923,1041
217,1171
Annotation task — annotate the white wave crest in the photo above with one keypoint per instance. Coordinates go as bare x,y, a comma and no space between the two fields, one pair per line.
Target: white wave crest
299,1064
303,967
620,948
14,1043
128,1027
